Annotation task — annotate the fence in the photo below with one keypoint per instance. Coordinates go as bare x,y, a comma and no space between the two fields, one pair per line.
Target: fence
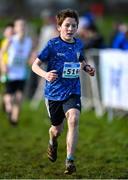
90,86
108,90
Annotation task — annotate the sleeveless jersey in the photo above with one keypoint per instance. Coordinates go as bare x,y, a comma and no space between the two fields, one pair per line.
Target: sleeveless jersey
18,54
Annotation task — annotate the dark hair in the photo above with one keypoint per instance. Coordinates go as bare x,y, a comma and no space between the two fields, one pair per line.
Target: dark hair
92,27
63,14
10,25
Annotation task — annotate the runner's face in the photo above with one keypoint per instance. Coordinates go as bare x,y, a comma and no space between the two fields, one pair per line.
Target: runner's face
68,29
8,32
20,26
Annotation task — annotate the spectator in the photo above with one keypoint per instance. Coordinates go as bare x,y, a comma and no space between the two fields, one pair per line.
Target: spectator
95,39
124,44
118,35
91,36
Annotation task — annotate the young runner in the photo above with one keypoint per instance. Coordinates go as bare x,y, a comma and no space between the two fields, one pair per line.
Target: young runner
18,48
64,57
8,33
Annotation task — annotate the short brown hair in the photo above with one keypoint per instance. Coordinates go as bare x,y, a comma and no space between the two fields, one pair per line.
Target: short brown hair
63,14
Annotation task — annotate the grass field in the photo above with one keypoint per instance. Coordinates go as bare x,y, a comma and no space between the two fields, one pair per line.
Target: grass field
102,150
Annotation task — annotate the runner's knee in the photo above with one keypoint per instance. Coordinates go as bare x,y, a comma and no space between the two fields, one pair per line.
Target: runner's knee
73,119
56,131
18,97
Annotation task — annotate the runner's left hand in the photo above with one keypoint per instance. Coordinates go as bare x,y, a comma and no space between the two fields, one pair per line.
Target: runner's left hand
90,70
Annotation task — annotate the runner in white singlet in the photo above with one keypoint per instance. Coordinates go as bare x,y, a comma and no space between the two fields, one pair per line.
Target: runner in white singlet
19,49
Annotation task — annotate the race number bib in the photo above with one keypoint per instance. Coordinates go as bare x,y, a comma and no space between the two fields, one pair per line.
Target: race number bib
71,70
18,61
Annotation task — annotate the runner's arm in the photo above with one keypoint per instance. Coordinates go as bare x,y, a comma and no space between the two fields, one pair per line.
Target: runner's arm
86,67
4,49
49,76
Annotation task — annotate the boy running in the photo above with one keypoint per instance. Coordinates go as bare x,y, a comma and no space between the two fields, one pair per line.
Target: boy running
64,59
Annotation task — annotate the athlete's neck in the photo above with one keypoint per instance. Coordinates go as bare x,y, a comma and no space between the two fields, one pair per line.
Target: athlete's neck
68,41
20,36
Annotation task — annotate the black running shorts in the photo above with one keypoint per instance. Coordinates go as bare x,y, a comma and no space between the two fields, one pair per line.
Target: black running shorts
57,109
16,85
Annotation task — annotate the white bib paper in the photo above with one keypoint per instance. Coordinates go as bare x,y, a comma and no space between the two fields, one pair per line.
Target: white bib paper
19,61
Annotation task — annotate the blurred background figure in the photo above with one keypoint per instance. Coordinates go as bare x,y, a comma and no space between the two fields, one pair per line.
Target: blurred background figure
7,34
124,44
94,38
118,35
83,24
90,35
48,31
19,48
89,18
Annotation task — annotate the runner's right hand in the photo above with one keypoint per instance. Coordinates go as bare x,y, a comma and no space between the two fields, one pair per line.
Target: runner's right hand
51,76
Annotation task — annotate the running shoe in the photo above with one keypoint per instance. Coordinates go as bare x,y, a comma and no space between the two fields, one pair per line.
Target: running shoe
52,151
70,167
